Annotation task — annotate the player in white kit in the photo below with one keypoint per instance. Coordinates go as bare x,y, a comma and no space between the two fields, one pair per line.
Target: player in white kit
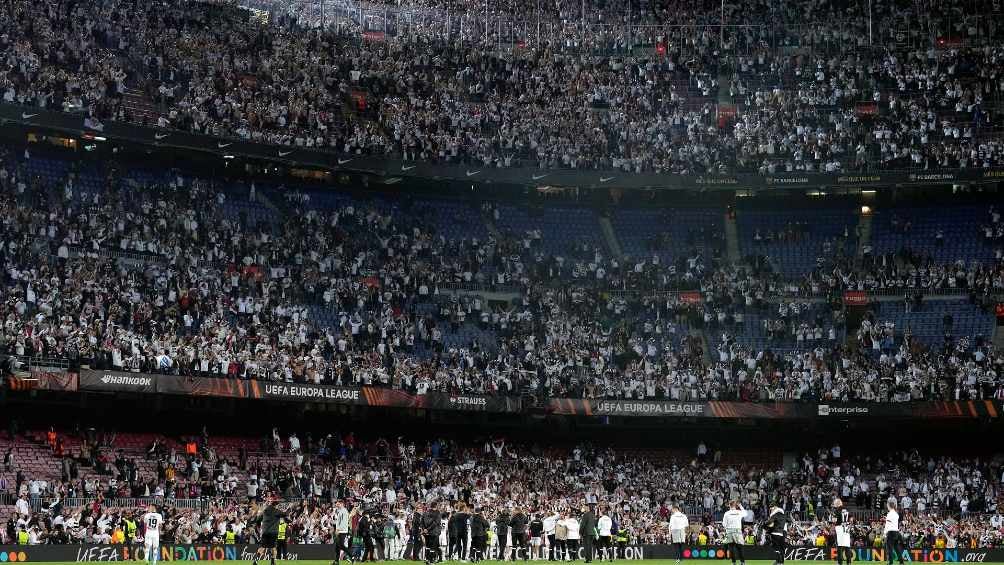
152,522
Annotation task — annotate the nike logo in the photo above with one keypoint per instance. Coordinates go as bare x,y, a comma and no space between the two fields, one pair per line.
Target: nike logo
159,136
343,161
27,116
284,153
407,168
222,145
607,179
538,177
470,174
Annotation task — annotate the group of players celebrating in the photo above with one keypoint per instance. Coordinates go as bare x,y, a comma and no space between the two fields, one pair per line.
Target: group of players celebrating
520,535
778,523
511,535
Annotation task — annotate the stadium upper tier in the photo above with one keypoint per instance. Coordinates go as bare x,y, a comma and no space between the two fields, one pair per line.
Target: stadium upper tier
798,87
160,271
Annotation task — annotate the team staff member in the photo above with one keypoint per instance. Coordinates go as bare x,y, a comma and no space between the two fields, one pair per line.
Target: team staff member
364,530
432,526
840,518
269,519
678,524
502,531
457,533
893,539
479,536
587,526
517,527
777,528
732,521
416,534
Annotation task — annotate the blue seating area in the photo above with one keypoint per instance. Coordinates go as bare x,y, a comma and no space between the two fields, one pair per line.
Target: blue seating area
53,174
239,207
927,324
818,236
639,231
752,333
959,225
453,219
561,228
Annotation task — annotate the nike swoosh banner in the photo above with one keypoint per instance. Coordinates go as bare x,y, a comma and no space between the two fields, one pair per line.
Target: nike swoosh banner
73,124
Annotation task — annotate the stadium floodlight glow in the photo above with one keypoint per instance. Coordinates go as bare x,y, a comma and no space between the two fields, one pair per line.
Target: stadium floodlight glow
869,191
228,156
866,210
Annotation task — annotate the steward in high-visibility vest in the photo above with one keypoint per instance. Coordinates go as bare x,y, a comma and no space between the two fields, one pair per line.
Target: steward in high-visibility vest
22,537
130,529
230,538
621,540
280,540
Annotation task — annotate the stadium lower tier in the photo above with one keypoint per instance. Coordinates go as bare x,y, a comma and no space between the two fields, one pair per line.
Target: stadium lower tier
93,487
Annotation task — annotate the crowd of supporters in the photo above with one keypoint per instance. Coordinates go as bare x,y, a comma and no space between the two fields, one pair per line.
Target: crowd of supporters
944,500
805,97
155,276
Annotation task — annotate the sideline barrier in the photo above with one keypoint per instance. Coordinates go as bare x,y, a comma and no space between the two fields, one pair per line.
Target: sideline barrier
149,383
324,552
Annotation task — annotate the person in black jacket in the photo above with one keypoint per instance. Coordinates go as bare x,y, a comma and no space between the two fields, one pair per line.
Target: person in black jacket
502,530
364,531
416,535
451,538
431,528
587,532
479,536
458,532
777,531
517,525
537,535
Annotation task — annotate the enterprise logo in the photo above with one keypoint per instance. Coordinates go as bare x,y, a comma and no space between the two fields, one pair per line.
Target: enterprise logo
827,410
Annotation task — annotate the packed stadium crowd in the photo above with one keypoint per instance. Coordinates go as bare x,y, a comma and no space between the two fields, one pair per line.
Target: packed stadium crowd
944,500
356,294
216,70
157,276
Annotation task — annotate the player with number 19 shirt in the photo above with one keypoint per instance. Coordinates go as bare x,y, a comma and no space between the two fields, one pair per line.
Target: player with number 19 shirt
152,522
